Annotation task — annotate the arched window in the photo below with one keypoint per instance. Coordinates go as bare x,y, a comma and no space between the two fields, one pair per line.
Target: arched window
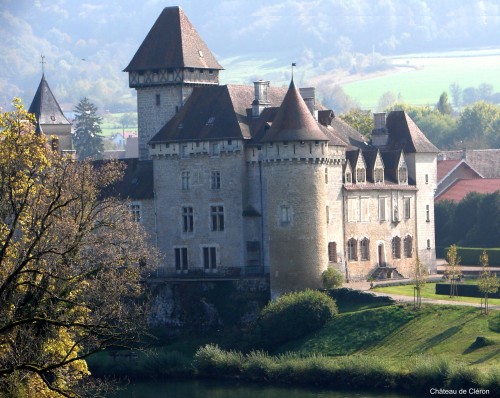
332,252
396,247
352,248
408,246
365,249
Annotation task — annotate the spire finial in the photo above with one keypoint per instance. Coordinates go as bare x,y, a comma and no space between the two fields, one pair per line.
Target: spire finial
43,63
293,64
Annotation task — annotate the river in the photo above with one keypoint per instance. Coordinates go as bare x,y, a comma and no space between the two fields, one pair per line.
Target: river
217,389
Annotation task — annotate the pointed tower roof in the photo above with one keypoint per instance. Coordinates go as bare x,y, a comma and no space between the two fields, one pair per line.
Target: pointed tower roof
45,106
172,42
294,121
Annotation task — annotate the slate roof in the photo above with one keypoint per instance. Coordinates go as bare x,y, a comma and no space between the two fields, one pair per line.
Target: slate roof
405,134
485,161
45,106
461,187
172,42
349,136
294,121
137,182
227,105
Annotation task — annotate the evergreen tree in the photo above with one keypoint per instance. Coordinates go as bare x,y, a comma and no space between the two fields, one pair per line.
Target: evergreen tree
87,138
443,106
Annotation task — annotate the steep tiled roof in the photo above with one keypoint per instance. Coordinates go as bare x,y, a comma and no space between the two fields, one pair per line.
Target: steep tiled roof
45,106
294,121
460,188
172,42
405,134
485,161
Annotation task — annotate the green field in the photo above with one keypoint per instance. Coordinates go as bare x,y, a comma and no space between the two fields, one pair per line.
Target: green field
421,78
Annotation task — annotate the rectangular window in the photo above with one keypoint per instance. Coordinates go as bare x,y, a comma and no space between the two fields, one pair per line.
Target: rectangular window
217,216
365,249
210,258
181,258
285,216
185,180
187,219
352,248
427,178
382,209
328,214
407,208
215,180
427,213
158,100
352,209
428,243
326,175
365,209
135,210
185,151
332,252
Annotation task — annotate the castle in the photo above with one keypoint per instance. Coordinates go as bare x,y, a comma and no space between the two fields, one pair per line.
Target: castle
236,181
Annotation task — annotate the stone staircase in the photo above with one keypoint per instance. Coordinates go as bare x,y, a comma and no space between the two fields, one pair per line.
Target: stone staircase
384,273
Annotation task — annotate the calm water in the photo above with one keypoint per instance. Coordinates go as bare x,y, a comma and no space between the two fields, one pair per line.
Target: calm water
206,389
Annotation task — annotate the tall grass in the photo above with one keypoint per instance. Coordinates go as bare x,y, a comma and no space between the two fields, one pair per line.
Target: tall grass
412,374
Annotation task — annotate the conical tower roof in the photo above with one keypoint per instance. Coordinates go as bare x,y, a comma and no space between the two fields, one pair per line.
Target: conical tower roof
45,106
294,121
172,42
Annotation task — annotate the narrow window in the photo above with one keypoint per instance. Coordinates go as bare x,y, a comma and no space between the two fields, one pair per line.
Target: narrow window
427,178
215,180
365,249
181,259
217,216
158,100
332,252
187,219
408,246
428,243
348,177
185,180
427,213
407,208
378,175
396,247
285,217
352,249
185,151
381,209
326,175
328,214
403,175
365,209
215,149
360,175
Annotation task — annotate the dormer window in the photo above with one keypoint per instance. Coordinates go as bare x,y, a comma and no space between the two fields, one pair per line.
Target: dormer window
348,177
403,175
378,175
210,121
360,175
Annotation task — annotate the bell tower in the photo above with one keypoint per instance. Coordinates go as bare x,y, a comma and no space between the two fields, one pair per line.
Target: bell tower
170,62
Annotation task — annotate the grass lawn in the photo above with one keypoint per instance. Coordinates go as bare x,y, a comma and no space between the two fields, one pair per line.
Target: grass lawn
399,331
428,291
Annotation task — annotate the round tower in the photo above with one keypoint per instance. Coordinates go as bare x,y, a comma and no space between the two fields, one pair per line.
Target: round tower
171,60
294,155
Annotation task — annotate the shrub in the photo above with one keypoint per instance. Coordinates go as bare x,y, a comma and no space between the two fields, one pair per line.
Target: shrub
210,360
294,315
332,278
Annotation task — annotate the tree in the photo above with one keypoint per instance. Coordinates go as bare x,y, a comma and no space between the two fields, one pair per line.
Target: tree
71,264
478,125
419,280
488,282
359,120
386,100
336,98
453,270
87,138
443,106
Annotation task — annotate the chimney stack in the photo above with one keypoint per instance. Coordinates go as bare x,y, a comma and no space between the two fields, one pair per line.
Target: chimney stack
308,94
380,135
260,102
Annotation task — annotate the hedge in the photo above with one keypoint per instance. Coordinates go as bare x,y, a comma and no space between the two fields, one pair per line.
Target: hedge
470,255
464,290
357,296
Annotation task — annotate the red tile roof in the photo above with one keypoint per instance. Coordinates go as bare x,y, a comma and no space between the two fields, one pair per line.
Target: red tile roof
444,167
460,188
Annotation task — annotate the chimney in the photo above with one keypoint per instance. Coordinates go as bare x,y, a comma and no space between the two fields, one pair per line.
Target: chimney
308,94
260,102
380,135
